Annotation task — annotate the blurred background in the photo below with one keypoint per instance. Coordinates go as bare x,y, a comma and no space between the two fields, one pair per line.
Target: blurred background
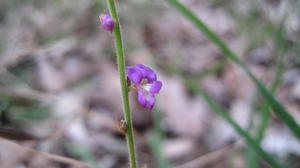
60,95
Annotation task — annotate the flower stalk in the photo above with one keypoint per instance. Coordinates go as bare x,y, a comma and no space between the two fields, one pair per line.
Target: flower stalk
121,68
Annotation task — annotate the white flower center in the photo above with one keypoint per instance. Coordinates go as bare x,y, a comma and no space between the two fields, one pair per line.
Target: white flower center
146,87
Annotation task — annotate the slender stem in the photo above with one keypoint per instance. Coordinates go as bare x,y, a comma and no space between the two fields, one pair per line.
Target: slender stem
121,68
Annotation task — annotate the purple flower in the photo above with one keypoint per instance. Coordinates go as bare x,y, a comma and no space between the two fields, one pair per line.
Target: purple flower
145,81
107,22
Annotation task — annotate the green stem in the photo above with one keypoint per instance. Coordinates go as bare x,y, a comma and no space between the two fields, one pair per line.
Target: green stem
121,69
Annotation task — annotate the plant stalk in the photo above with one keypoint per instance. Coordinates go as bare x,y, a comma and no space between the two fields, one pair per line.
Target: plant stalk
121,68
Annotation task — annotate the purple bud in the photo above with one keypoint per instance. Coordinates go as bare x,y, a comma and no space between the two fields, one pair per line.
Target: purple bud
107,22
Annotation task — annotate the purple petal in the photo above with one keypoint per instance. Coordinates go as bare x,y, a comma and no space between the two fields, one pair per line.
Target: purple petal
145,99
147,73
141,98
134,74
155,87
150,101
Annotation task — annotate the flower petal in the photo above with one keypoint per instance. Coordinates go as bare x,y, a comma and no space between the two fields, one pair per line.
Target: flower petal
150,101
134,74
147,73
141,98
155,87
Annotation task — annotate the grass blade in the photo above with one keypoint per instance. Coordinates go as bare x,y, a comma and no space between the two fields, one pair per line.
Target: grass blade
280,48
225,115
156,140
280,111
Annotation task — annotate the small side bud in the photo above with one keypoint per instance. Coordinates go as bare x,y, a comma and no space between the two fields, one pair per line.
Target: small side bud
128,85
122,126
107,22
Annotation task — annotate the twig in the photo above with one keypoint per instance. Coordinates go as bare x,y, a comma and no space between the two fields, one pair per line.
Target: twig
207,158
47,155
28,94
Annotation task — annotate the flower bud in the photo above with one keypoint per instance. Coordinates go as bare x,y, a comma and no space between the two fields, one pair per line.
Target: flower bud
107,22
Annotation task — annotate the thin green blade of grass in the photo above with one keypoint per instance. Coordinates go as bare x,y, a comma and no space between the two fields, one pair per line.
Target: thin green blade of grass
280,48
252,158
155,140
225,115
83,154
274,104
